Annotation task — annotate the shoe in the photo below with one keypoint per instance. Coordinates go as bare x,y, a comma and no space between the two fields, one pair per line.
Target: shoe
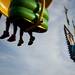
5,35
12,38
20,42
31,40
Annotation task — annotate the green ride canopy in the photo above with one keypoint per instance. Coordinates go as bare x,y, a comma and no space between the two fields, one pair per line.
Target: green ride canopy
29,10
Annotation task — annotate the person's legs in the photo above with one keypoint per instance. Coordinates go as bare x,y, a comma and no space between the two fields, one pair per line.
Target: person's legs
13,36
0,15
6,32
32,38
21,39
8,24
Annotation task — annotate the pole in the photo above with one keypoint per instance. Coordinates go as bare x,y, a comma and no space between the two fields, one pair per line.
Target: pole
66,10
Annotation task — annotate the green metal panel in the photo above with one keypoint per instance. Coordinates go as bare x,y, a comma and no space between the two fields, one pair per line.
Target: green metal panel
25,9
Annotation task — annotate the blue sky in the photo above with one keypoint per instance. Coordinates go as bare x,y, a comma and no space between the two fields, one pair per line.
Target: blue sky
48,55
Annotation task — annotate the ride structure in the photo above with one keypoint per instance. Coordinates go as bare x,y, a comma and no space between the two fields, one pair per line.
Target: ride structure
70,37
32,12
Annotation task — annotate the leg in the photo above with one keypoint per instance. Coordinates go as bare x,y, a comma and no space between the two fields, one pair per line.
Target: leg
13,36
32,38
6,32
21,39
0,15
8,24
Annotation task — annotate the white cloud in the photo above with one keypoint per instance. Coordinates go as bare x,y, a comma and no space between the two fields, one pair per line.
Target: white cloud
47,56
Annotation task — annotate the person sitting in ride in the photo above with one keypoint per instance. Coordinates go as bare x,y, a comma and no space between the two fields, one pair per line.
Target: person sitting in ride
12,38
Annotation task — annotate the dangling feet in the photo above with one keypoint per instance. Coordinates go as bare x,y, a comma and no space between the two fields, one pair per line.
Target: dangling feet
20,42
5,35
12,38
29,43
31,40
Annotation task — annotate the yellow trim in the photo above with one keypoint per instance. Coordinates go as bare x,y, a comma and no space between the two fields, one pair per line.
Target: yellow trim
4,6
41,27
